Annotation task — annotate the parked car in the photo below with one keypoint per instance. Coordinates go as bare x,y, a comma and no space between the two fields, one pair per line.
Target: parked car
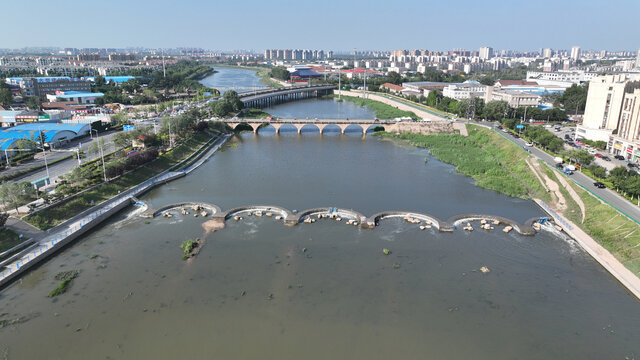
528,144
605,158
560,167
619,157
631,165
566,136
571,143
597,155
599,185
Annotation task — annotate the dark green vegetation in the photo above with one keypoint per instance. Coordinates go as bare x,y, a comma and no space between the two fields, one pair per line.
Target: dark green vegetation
574,99
383,111
9,239
254,113
280,73
51,217
229,104
494,163
149,88
6,97
66,278
189,248
16,194
61,289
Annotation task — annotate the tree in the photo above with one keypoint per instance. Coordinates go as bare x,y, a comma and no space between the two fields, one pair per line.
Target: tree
434,97
233,98
496,109
280,73
486,80
14,195
6,98
34,102
394,78
574,98
580,156
100,81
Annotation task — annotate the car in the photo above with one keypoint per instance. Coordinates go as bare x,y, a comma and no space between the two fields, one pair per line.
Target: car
605,158
571,143
599,185
631,165
619,157
597,155
560,167
566,136
528,144
591,151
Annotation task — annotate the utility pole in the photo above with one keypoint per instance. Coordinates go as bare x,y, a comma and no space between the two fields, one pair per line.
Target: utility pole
46,166
339,84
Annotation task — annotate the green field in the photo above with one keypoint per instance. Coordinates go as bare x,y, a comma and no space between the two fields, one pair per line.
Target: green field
383,111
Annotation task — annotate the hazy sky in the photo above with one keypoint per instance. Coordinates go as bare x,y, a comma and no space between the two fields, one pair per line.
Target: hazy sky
323,24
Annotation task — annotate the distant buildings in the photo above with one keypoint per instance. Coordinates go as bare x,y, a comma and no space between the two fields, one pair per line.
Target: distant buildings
296,54
465,91
42,86
82,97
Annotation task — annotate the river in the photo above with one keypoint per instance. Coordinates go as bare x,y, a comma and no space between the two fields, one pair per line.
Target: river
259,289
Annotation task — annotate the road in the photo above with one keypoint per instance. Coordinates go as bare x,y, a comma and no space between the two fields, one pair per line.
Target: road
58,169
606,194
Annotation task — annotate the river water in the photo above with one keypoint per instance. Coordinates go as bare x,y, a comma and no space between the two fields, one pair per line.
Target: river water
259,289
232,78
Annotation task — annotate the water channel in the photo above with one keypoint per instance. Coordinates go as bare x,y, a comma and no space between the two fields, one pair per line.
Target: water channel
259,289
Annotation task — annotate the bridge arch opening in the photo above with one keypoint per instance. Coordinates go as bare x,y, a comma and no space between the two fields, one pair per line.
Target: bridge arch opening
353,129
375,128
309,128
267,129
288,129
243,126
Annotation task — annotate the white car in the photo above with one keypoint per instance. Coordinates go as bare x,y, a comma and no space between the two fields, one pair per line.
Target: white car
591,151
528,144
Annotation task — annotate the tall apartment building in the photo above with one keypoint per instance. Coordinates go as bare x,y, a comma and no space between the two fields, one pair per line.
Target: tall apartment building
485,53
41,86
604,107
547,53
638,60
575,53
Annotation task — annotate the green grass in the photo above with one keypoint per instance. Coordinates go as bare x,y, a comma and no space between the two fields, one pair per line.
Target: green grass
49,218
382,110
9,239
493,162
254,113
62,288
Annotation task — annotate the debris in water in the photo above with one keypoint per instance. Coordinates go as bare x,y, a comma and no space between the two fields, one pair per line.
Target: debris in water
485,269
396,266
386,251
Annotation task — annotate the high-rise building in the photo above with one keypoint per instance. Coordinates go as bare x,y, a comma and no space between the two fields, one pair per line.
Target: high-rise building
546,53
638,60
485,53
575,53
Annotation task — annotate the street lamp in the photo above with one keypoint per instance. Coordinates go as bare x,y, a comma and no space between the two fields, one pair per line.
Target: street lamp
46,166
104,172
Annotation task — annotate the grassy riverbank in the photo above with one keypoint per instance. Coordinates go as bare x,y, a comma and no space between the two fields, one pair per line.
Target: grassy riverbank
615,232
9,239
254,113
383,111
51,217
494,163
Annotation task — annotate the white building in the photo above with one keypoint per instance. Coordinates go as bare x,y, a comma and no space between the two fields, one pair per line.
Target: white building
602,112
465,91
560,78
486,53
575,53
515,99
81,97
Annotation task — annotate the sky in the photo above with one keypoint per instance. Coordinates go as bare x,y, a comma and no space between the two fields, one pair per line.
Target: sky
340,25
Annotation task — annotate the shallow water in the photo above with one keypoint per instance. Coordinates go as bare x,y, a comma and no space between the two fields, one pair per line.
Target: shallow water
323,290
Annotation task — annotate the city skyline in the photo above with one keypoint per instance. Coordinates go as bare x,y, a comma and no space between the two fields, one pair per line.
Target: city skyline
339,26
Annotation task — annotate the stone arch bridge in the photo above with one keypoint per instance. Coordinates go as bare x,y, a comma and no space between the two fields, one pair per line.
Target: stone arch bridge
320,124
